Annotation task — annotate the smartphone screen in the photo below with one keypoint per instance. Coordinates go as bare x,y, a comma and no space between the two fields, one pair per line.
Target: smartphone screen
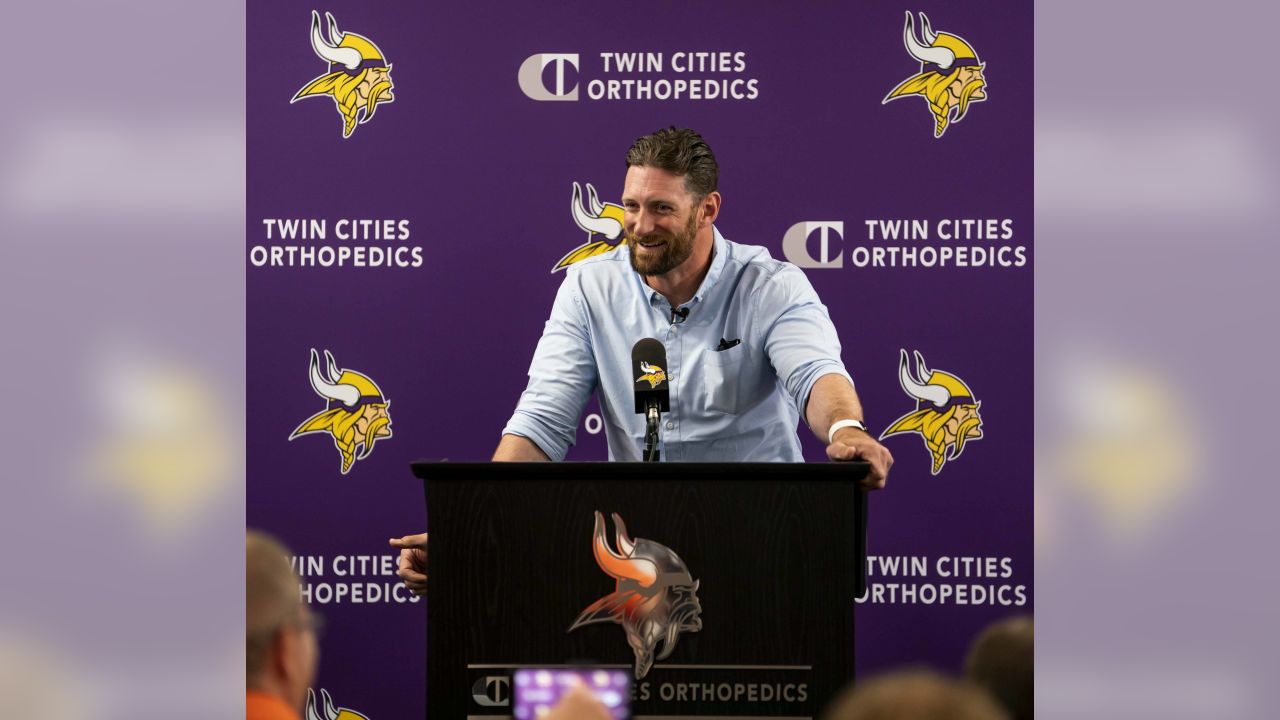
537,690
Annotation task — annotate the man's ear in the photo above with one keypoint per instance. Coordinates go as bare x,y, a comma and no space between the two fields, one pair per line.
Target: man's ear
285,652
710,208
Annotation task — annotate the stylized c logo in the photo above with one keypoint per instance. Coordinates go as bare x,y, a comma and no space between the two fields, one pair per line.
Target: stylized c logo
530,76
492,691
795,244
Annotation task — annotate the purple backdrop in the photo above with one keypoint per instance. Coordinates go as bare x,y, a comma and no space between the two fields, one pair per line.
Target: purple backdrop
483,173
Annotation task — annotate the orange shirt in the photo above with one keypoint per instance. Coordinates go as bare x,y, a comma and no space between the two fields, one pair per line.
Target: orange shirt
261,706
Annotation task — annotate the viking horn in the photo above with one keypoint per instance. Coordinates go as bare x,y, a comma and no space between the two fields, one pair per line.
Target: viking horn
625,543
922,372
935,394
348,395
617,566
926,33
939,56
329,712
334,372
594,201
311,705
335,35
591,223
330,52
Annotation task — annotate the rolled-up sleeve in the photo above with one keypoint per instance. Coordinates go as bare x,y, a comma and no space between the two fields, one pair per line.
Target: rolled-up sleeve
799,339
561,376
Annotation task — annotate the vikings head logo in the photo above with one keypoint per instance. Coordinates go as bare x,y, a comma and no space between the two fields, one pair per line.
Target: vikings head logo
356,416
656,597
358,79
946,414
653,374
602,223
329,712
950,74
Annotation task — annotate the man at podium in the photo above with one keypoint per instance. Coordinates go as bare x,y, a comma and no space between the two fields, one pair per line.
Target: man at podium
750,348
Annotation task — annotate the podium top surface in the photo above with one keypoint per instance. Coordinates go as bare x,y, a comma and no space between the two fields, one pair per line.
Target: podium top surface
657,472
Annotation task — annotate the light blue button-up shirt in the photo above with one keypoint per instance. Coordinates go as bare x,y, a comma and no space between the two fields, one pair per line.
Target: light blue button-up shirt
740,404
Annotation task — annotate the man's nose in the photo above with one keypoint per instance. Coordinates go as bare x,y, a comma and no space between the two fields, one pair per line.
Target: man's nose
642,222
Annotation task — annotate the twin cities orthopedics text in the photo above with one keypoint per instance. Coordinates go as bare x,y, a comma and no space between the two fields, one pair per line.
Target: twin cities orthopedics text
341,243
944,580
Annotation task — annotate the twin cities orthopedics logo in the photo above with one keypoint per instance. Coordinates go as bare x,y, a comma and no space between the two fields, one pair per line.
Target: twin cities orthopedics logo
366,243
492,691
656,597
358,78
951,76
911,243
946,415
356,412
601,221
682,75
329,711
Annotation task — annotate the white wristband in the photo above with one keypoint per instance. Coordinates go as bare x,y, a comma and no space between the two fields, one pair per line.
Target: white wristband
840,425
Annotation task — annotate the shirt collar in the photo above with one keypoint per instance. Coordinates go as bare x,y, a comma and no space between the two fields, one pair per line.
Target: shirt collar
719,251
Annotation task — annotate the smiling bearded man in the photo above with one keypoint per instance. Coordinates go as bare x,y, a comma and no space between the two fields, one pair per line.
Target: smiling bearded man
672,249
750,348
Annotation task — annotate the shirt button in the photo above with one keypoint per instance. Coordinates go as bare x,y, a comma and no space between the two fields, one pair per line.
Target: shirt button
671,425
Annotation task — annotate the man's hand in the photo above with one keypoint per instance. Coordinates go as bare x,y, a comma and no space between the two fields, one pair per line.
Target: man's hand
413,562
578,704
854,444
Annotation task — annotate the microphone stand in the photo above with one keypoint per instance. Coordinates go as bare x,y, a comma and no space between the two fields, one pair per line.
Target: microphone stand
651,431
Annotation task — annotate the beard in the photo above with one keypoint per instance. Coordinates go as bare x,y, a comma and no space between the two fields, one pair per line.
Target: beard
677,249
380,92
966,95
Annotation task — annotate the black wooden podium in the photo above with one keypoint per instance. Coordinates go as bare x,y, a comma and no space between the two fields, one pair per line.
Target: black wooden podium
746,573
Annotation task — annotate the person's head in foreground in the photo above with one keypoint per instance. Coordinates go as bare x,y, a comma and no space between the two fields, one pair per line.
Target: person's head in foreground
913,695
281,651
1002,660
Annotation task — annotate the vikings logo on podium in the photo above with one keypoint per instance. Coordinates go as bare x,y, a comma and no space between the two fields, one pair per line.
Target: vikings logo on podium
330,713
359,77
950,74
656,598
356,415
601,221
946,414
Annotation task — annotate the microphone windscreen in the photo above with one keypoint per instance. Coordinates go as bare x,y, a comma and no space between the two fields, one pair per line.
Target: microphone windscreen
649,375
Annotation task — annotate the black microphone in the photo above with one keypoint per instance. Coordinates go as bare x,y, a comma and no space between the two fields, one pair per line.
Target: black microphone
649,374
653,394
679,315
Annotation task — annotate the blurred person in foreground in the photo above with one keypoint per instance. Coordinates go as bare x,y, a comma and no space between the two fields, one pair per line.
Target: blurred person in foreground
913,695
1002,660
281,651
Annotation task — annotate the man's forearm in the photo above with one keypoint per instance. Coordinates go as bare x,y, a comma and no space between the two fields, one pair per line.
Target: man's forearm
517,448
832,398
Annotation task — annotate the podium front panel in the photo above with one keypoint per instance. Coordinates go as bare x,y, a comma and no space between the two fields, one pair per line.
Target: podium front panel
729,591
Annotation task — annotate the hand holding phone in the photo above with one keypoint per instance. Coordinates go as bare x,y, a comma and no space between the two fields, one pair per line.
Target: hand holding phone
572,694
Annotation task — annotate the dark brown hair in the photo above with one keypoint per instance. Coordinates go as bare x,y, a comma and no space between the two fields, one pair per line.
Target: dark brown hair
679,151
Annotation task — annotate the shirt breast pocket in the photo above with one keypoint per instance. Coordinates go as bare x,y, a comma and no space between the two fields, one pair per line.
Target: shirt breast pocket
724,380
